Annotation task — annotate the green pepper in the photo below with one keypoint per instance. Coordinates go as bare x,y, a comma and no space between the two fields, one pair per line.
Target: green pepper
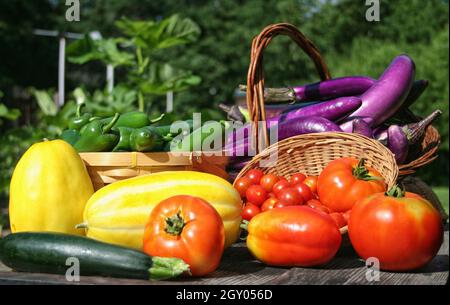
124,138
165,130
71,136
80,120
195,140
133,119
147,139
98,136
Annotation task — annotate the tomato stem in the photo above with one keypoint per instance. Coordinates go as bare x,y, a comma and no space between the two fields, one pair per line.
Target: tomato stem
362,173
244,225
175,224
396,192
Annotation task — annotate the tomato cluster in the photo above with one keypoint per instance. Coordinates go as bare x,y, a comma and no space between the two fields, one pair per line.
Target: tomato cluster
262,192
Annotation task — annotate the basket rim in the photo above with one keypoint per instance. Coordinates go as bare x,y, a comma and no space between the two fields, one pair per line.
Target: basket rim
330,136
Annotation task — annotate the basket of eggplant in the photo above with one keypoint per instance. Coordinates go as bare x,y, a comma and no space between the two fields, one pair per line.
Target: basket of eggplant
375,108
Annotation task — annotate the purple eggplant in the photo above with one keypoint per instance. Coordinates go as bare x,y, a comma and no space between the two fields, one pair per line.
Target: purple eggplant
238,164
361,127
416,91
285,130
241,114
397,142
332,110
386,96
413,131
328,89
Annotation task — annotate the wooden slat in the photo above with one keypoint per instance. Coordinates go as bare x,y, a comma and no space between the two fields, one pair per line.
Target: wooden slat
238,267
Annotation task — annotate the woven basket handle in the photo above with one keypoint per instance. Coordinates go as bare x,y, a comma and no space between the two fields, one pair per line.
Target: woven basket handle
255,75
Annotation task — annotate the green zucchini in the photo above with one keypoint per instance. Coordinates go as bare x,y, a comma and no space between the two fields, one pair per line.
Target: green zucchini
45,252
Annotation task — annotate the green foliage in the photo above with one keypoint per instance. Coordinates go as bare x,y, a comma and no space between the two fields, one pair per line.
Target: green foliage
6,113
105,50
146,75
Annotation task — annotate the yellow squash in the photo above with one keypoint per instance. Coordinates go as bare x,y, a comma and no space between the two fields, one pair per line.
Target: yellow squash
49,189
117,213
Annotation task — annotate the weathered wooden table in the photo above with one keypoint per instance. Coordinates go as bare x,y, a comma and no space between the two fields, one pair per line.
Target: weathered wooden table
239,267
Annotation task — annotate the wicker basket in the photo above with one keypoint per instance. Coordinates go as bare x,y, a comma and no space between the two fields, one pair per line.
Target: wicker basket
425,153
105,168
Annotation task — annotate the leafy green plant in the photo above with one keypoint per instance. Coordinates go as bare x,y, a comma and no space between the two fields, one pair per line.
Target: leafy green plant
145,74
6,113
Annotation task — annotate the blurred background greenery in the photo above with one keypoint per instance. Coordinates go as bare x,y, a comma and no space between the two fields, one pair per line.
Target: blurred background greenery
199,49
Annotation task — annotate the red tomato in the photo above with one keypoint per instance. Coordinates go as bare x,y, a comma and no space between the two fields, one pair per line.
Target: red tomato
256,194
290,196
280,185
271,195
316,204
241,185
311,182
189,228
268,181
297,178
347,215
255,175
280,204
344,181
338,219
293,236
269,204
249,211
304,191
403,232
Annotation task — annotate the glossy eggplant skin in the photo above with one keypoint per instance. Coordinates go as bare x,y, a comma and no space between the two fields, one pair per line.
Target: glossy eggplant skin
397,143
386,96
361,127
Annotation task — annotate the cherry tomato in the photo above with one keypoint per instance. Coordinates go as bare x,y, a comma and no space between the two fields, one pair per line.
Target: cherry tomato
280,204
269,204
256,194
304,191
339,219
403,230
280,185
290,196
345,181
249,211
297,178
255,175
271,195
267,181
347,215
177,227
241,185
311,182
316,204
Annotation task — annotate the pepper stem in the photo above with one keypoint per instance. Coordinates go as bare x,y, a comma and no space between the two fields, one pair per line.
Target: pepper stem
78,113
175,224
244,225
360,172
111,124
164,268
396,192
156,120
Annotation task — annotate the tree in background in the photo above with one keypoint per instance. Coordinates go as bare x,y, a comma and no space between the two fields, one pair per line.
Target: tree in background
349,43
